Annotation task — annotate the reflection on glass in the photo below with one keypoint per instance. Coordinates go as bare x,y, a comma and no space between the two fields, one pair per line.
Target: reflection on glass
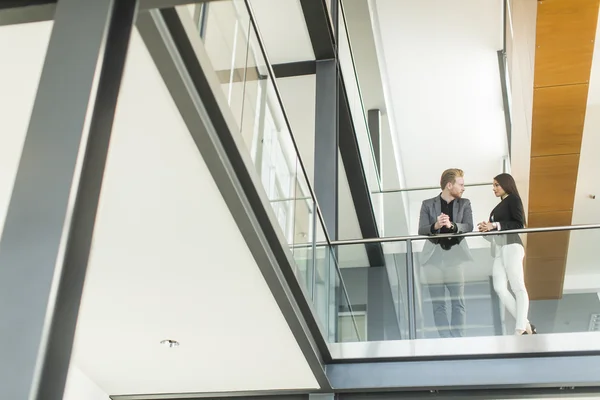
336,314
480,310
305,219
376,293
350,325
486,315
322,298
224,27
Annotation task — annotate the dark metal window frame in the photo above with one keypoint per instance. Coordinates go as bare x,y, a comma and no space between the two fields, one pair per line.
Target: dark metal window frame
324,39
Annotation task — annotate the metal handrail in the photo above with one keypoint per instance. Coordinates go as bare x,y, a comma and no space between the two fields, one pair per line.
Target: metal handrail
468,234
420,188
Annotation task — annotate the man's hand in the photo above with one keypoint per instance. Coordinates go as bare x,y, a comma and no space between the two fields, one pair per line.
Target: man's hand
443,220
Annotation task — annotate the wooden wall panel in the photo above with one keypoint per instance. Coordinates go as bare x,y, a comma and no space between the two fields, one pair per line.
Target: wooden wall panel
565,34
552,218
547,244
552,182
544,277
558,117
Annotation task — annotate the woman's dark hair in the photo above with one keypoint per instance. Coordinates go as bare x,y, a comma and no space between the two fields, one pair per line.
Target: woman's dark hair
507,182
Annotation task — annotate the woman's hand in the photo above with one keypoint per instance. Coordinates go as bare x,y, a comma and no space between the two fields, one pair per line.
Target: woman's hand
485,226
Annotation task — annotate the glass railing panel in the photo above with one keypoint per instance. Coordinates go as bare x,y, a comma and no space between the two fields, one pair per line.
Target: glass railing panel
269,141
474,285
224,27
357,108
338,319
377,294
350,324
305,231
322,297
454,289
396,261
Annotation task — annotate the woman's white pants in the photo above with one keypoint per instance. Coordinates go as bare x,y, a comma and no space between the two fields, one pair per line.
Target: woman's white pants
508,268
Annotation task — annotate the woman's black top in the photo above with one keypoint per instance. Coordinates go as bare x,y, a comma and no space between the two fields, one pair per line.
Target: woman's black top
510,215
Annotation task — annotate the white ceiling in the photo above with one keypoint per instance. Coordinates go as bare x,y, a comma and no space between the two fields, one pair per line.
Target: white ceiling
168,261
286,38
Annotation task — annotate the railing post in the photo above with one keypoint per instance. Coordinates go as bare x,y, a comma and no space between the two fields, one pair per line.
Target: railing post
411,291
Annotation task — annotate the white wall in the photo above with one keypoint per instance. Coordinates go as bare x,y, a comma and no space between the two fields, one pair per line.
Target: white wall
444,80
81,387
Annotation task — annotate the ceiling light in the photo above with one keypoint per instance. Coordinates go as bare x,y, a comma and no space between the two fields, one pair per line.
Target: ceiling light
170,343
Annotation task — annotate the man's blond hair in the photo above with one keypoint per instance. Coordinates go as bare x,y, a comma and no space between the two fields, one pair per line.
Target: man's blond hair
450,175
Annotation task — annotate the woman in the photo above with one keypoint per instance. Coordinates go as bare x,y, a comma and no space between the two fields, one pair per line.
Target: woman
508,252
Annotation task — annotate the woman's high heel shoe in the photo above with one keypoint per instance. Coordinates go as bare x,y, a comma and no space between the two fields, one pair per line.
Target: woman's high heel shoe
533,329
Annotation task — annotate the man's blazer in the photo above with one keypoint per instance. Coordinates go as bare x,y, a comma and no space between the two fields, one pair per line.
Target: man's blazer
462,217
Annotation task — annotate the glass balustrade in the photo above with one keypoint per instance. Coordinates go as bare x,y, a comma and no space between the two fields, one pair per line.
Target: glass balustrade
423,291
233,45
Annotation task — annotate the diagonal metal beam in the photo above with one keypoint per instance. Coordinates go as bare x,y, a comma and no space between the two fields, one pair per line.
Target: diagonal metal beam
357,180
319,28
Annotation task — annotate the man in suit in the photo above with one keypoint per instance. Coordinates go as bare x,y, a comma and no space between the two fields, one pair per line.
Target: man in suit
443,258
